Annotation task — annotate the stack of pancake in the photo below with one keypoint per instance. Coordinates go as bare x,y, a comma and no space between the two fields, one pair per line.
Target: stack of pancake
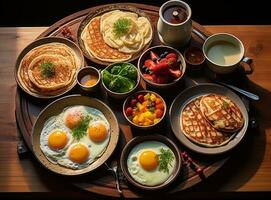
211,120
62,58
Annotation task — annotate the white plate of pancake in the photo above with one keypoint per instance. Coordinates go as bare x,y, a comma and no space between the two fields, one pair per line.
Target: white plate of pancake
208,119
47,67
97,34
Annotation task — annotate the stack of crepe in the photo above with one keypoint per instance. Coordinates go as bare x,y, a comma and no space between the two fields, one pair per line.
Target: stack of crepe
62,58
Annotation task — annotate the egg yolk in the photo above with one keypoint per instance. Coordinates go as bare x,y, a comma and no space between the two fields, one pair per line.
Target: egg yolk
79,153
72,120
57,140
148,160
97,132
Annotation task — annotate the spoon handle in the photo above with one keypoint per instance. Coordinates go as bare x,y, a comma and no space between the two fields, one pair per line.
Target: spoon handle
244,92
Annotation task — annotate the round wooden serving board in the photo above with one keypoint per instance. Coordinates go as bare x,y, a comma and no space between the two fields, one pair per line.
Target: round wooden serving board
101,180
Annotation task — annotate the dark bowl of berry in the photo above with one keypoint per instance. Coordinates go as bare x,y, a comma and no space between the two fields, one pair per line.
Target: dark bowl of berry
144,109
161,66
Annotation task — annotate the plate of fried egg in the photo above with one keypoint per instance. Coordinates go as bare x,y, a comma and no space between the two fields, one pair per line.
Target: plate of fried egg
150,162
115,33
75,135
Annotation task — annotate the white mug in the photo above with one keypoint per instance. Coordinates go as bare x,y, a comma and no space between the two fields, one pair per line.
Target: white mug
171,34
224,52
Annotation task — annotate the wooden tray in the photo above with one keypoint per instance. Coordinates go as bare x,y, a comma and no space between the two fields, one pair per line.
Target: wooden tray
101,181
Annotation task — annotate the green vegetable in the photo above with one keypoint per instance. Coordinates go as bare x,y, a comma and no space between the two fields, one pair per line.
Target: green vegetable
107,77
81,130
121,27
116,69
121,84
121,78
47,69
165,159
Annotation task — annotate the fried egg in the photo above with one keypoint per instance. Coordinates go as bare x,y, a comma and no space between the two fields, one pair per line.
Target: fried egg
143,163
59,145
54,139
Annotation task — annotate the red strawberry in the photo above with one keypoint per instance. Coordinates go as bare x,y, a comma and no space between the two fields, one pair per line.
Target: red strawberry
154,56
171,55
172,61
148,76
149,63
175,73
159,66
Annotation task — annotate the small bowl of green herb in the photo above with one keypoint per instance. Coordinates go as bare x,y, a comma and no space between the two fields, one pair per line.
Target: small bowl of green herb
150,162
120,79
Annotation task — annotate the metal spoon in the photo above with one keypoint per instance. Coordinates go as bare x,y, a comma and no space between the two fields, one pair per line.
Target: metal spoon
241,91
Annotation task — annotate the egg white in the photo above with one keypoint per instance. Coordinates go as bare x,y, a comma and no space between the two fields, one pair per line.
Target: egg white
51,125
149,178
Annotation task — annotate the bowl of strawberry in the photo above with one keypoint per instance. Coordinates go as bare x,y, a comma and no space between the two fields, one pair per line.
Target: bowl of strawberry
161,66
144,109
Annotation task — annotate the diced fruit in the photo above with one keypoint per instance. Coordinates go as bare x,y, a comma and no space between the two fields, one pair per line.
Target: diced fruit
158,100
129,111
135,119
147,96
159,113
133,102
159,106
155,121
140,98
152,97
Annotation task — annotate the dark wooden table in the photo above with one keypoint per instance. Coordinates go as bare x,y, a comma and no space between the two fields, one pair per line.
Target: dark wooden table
249,169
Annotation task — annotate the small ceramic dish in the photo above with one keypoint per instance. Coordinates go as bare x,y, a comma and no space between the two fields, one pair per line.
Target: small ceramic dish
157,138
88,78
160,50
119,95
153,104
194,57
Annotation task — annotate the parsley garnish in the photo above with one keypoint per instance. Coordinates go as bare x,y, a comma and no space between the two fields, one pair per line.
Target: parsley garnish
81,130
47,69
121,27
165,159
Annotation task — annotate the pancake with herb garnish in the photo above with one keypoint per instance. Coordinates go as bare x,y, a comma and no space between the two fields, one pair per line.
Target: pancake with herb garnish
197,129
222,113
96,47
48,69
116,35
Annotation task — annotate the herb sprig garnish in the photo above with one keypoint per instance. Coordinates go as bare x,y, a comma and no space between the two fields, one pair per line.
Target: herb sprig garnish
81,129
47,69
165,159
225,105
121,27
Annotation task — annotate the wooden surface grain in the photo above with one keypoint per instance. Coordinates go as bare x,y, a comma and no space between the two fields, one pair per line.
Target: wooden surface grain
248,170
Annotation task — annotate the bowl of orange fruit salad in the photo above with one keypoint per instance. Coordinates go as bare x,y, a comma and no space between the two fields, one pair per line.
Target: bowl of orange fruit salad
144,109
